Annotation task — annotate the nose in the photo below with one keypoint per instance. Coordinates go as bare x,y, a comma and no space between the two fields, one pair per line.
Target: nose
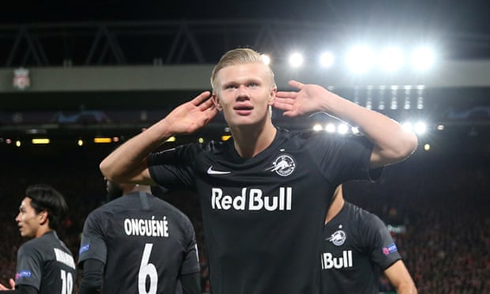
17,218
242,91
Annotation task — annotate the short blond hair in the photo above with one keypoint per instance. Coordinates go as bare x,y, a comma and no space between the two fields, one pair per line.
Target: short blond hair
235,57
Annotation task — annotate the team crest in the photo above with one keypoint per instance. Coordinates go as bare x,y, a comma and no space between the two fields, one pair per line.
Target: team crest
284,165
337,238
21,79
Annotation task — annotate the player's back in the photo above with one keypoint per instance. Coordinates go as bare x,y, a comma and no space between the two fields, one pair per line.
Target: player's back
46,264
149,243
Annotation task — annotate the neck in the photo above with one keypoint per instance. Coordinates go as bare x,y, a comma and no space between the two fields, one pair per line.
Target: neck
136,188
335,208
42,230
249,141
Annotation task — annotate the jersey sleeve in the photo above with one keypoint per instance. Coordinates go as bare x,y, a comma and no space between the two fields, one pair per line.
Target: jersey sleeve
382,248
171,168
343,158
92,245
190,263
29,266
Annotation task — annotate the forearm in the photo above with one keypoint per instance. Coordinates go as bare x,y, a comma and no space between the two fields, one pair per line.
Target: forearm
129,160
391,142
406,288
93,271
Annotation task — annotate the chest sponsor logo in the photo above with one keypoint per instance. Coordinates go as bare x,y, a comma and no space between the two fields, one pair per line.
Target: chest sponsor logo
338,238
252,199
283,165
329,261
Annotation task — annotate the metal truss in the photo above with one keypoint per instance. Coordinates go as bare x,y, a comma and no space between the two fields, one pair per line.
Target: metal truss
172,42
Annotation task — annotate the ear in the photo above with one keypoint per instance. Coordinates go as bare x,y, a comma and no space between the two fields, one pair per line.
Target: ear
216,102
43,217
272,96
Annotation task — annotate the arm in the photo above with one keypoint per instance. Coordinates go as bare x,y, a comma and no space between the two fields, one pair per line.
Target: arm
128,163
391,143
21,289
399,277
93,271
191,283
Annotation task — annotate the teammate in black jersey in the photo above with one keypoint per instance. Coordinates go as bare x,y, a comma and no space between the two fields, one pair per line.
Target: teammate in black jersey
264,193
138,244
44,264
356,246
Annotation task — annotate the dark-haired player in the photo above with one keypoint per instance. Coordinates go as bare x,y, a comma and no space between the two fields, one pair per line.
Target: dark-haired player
44,263
138,244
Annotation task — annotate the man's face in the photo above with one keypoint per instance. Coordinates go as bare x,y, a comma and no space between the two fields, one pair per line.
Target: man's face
245,92
27,219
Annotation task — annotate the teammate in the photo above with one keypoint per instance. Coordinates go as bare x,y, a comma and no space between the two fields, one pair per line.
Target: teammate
264,193
138,243
356,246
44,264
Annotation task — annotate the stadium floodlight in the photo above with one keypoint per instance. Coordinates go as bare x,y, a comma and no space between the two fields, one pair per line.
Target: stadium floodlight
330,128
80,142
296,60
391,59
355,130
343,129
423,58
360,59
408,126
427,147
420,128
440,127
317,127
327,59
266,59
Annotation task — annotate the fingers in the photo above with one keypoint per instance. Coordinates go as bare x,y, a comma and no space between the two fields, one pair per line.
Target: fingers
296,84
201,97
284,94
12,283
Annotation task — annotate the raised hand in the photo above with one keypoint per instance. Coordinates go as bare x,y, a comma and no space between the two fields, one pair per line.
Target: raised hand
192,115
309,99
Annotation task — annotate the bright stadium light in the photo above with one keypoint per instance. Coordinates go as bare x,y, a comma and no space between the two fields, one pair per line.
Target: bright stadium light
420,128
355,130
330,128
423,58
391,59
360,59
296,60
317,127
343,129
327,59
408,126
266,59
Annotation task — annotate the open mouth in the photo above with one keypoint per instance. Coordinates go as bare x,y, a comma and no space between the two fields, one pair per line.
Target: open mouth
243,109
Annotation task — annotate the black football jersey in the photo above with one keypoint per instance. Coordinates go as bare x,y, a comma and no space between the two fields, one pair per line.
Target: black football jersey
356,246
46,264
145,243
263,216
